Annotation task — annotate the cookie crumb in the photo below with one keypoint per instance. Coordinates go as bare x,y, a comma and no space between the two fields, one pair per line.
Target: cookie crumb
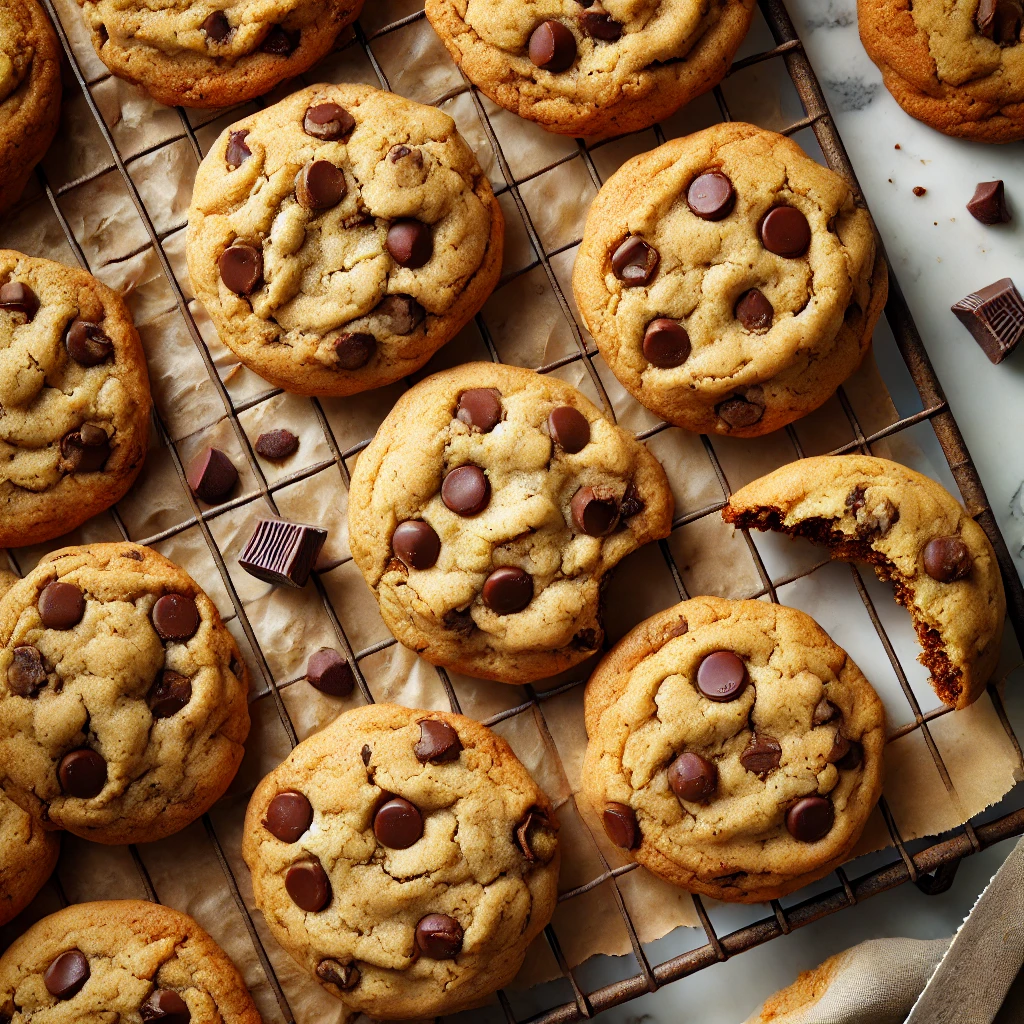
919,190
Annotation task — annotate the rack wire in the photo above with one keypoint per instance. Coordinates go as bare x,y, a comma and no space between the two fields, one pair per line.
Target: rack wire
931,868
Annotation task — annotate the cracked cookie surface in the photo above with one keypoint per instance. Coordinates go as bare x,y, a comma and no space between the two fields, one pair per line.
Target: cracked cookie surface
122,695
486,513
414,911
956,65
342,236
915,533
734,748
585,68
121,960
74,399
28,855
729,280
213,53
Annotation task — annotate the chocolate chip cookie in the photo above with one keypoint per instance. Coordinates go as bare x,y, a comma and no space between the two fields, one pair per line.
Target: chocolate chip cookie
28,855
486,513
29,93
914,533
405,859
582,67
213,53
121,960
74,399
730,281
957,65
342,236
122,695
734,749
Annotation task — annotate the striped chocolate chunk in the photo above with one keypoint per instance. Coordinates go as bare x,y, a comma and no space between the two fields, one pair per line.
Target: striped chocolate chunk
995,317
281,552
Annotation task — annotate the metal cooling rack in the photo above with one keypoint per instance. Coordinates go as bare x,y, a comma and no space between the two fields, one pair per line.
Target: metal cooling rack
931,868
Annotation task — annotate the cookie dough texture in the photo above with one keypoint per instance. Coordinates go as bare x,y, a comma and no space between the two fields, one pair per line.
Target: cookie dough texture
46,395
133,949
329,273
669,52
876,511
161,772
174,52
28,855
825,302
467,863
643,709
942,70
439,612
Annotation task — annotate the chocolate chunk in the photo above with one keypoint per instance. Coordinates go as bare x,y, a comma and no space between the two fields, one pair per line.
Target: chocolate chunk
85,450
366,753
279,42
166,1006
631,503
721,676
26,674
681,628
320,185
276,444
67,974
599,24
345,976
466,490
416,543
785,232
82,773
459,621
666,344
169,694
87,343
16,297
594,510
534,821
692,777
175,617
439,743
282,552
308,885
328,121
852,758
212,476
402,313
508,590
634,261
810,819
289,816
217,27
995,317
328,672
480,408
621,826
61,605
824,712
439,937
569,429
410,242
397,824
754,311
1000,20
739,412
354,351
711,196
947,559
988,203
241,268
762,755
552,46
237,151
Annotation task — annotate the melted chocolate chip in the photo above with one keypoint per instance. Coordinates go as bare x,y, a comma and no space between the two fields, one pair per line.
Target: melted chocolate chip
397,824
552,47
594,511
26,674
666,344
466,490
692,777
16,297
279,42
762,755
354,351
169,694
416,543
85,450
82,773
754,311
241,268
480,408
533,821
711,196
721,676
61,605
289,816
345,976
308,885
508,590
411,243
237,152
328,121
320,185
366,753
439,743
853,757
1000,20
785,232
67,974
176,617
439,937
569,429
166,1006
739,412
824,711
599,24
87,343
634,261
810,819
621,826
402,314
217,27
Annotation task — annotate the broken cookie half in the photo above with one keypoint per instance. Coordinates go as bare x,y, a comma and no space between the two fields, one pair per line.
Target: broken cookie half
914,533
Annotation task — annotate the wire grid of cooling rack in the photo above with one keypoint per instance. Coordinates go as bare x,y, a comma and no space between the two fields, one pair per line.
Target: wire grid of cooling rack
931,868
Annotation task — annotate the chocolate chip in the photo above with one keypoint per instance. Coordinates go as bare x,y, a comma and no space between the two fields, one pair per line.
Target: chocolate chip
1000,20
345,976
631,503
176,617
666,344
721,676
569,429
396,153
241,268
995,317
762,755
330,673
289,816
681,628
212,476
634,261
26,674
552,46
459,621
621,826
85,450
599,24
508,590
366,753
87,343
852,758
279,42
237,151
416,543
439,937
320,185
595,511
61,605
692,777
988,204
308,885
67,974
282,552
217,27
810,819
276,444
397,824
328,121
754,311
466,490
166,1006
402,313
16,297
824,712
840,748
480,408
82,773
438,742
738,412
947,559
169,694
785,232
711,196
533,821
354,351
410,242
